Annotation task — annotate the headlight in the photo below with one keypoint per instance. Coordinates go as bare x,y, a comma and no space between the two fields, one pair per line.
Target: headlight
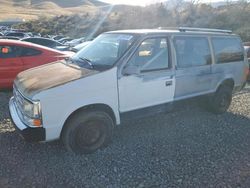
31,113
31,109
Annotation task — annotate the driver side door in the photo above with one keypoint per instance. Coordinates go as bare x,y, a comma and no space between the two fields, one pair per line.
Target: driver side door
148,77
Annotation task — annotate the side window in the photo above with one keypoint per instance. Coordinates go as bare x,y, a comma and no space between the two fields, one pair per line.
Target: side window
9,51
227,49
30,52
192,51
151,55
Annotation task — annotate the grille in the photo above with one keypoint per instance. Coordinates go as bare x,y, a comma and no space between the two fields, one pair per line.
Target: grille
18,99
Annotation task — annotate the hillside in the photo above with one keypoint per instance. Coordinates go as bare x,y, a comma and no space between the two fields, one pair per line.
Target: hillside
62,3
35,9
91,17
233,16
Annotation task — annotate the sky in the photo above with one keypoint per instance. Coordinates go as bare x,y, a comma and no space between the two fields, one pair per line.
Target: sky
145,2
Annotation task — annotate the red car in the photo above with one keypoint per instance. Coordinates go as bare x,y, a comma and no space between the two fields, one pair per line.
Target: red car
17,56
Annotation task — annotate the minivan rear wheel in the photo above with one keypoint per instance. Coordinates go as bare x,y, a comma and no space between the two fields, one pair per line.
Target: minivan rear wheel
87,132
221,100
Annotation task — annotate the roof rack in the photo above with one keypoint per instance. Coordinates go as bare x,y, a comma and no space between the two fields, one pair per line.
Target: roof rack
184,29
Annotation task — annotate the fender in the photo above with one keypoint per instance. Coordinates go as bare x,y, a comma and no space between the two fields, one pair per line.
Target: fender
228,80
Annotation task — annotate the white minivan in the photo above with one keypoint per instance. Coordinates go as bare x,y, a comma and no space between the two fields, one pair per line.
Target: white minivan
126,74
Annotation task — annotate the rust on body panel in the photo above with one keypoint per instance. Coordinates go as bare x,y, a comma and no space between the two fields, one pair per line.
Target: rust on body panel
48,76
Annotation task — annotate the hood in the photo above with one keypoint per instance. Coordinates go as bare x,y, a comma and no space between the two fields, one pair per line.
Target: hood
38,79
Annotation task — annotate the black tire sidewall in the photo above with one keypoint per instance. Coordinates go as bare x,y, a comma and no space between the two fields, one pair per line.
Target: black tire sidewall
70,131
215,101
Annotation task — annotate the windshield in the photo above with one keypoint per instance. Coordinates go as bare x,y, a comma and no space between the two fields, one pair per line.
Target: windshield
104,51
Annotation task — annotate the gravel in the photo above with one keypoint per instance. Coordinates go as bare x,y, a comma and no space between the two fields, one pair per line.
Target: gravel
186,148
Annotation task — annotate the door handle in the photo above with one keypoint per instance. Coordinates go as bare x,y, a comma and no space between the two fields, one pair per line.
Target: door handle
168,83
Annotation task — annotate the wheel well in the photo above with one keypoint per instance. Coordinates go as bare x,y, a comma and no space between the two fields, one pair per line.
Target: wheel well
92,107
228,82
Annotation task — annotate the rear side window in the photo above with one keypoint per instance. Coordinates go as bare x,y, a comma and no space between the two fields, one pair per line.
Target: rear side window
227,49
192,51
30,52
9,51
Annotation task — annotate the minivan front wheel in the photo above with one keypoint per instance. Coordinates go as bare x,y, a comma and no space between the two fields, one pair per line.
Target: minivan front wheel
87,132
221,100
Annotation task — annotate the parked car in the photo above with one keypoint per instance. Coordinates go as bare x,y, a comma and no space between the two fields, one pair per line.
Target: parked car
246,43
122,75
17,30
9,37
36,34
3,28
17,56
80,46
17,34
47,42
58,37
64,40
1,34
75,42
247,49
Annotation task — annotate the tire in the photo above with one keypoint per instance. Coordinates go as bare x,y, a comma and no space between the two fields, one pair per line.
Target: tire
87,132
221,100
203,102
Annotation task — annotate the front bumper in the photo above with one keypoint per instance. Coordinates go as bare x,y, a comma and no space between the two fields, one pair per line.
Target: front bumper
28,133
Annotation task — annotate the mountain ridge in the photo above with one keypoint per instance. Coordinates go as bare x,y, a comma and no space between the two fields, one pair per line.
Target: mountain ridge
35,9
60,3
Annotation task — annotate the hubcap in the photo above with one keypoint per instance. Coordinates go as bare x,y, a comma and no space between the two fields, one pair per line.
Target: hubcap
89,133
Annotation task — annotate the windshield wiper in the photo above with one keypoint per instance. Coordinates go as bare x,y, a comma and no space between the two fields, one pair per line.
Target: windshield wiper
88,61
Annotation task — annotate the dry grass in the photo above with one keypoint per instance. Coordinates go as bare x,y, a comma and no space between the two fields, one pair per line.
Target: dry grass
10,10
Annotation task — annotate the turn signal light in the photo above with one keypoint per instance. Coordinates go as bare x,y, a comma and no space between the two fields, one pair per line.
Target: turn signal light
37,122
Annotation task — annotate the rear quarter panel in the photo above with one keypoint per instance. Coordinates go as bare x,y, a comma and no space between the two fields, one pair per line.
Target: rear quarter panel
233,70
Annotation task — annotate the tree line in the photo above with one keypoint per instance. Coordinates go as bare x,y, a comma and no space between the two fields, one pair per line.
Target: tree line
233,15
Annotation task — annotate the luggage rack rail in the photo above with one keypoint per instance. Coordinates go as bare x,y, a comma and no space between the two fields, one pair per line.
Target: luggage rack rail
185,29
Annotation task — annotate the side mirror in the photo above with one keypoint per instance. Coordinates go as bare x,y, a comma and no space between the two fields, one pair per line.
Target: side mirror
131,70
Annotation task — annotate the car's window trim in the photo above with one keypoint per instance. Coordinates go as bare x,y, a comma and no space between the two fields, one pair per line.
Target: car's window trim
152,70
228,37
192,36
